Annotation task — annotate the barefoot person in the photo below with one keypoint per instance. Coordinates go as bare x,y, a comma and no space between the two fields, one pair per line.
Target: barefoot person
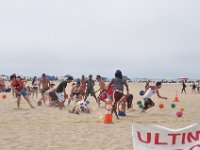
2,85
125,101
75,92
147,85
59,94
183,87
45,83
35,85
90,88
193,87
83,85
102,88
118,84
19,89
151,91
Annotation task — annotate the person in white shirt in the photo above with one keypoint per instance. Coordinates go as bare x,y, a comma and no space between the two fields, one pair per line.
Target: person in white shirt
151,91
35,85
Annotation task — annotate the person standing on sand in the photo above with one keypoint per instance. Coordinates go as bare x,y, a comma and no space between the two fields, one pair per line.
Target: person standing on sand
147,85
83,86
193,87
118,94
183,88
35,84
45,83
19,89
198,86
2,85
90,88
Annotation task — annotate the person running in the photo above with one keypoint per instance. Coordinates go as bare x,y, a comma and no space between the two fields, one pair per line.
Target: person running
118,84
19,89
35,85
148,103
102,88
183,87
45,83
90,88
59,94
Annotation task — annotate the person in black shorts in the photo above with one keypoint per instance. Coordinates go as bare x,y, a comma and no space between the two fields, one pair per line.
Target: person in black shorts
59,94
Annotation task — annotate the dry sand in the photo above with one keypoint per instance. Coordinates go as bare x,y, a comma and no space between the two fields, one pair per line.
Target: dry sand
47,128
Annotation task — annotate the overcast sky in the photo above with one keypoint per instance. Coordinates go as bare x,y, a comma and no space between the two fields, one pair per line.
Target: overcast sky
143,38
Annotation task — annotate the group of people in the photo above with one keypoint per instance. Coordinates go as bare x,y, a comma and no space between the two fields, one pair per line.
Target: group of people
3,87
195,87
81,89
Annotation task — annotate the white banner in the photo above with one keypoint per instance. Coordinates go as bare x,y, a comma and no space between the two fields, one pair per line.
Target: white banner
154,137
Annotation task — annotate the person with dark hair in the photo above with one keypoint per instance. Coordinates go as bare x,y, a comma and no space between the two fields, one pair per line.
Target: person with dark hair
35,85
125,101
83,86
102,88
118,94
45,86
59,94
198,86
129,100
147,85
90,88
151,91
75,92
19,89
2,85
193,87
13,92
183,88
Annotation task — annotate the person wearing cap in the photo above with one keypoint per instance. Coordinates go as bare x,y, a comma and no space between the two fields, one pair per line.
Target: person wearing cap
59,94
118,94
90,88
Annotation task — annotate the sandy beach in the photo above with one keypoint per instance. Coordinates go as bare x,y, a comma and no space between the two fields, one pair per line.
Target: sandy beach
45,128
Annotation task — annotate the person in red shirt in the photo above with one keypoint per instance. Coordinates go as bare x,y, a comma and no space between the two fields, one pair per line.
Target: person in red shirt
18,87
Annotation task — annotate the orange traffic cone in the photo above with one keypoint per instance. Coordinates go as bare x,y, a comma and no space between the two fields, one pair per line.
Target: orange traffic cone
176,99
108,116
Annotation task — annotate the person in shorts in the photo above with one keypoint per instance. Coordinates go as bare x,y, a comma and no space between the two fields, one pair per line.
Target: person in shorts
148,103
59,94
118,83
90,88
35,87
45,83
20,91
